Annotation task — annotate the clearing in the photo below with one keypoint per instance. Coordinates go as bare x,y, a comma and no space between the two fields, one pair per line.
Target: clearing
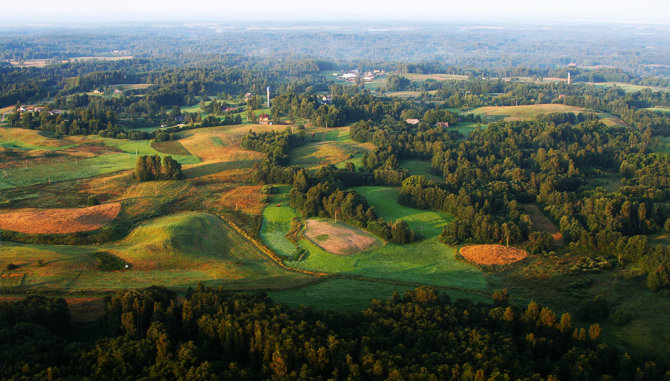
492,254
542,223
59,221
339,238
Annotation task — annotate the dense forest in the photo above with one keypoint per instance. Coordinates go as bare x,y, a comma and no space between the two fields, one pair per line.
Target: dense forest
210,335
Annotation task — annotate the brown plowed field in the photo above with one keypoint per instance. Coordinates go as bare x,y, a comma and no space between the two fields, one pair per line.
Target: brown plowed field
492,254
59,221
339,238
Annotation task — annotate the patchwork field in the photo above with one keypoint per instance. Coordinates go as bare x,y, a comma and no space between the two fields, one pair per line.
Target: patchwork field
178,250
59,221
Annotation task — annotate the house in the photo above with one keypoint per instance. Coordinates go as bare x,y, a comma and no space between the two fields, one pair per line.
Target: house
96,91
247,96
229,109
117,91
264,119
412,121
326,99
39,109
442,124
55,112
179,118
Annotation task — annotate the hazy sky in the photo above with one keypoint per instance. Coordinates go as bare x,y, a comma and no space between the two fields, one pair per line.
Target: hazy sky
39,11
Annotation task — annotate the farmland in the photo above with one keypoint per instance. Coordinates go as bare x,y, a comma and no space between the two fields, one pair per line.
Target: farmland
427,261
179,250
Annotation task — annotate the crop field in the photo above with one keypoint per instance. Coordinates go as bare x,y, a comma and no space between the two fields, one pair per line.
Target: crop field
178,250
339,238
59,220
510,113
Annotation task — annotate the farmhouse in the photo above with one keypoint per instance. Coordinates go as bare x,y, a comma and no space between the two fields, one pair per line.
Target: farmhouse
442,124
264,119
412,121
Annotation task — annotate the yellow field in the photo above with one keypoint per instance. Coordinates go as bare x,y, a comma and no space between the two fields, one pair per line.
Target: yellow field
437,77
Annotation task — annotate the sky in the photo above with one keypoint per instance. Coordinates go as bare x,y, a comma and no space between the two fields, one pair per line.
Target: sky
448,11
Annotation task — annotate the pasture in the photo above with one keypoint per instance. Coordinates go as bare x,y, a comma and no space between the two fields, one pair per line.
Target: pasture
328,146
424,262
177,250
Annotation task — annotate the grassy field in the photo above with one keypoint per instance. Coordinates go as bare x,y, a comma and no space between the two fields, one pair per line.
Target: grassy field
277,218
424,262
627,87
509,113
420,167
664,110
177,250
329,146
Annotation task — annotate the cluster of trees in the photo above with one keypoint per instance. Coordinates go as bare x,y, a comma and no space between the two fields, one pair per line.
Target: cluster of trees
149,168
275,145
152,333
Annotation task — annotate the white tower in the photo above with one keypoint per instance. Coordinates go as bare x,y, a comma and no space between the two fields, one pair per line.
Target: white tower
569,78
268,99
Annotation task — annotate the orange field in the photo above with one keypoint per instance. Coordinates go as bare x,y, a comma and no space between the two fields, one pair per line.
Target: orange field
59,221
247,199
492,254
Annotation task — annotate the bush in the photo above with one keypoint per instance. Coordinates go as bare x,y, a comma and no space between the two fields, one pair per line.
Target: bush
92,201
11,266
108,262
269,189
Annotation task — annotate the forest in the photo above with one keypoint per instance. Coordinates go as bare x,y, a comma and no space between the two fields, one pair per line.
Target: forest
210,334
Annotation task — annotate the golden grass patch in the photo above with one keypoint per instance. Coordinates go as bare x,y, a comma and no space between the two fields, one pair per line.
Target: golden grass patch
492,254
59,221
